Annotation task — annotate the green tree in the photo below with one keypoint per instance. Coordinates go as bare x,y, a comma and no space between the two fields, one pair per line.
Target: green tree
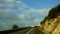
15,26
53,12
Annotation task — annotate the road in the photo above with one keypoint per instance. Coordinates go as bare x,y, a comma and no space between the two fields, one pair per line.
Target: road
28,31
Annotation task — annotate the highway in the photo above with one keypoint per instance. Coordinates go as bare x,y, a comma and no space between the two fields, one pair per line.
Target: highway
28,31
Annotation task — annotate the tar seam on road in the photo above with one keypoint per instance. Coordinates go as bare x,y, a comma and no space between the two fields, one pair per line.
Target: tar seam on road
29,31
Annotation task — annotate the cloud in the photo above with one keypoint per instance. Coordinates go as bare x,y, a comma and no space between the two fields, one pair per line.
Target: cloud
22,16
33,17
35,13
8,16
9,0
40,11
27,16
35,20
7,19
1,5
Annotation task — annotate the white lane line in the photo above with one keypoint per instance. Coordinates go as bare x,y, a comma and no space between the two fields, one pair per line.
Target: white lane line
29,31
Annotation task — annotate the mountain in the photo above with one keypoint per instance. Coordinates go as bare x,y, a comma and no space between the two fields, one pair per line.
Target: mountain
51,23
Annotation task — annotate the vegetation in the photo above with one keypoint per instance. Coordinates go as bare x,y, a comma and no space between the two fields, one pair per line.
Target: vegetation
42,22
53,13
15,26
13,30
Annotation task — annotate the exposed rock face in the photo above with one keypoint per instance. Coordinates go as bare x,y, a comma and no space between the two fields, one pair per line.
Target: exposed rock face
51,26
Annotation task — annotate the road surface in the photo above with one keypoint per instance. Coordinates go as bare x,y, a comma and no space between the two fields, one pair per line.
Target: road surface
28,31
32,30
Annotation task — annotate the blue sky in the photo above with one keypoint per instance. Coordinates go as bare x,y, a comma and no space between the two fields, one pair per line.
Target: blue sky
24,12
40,4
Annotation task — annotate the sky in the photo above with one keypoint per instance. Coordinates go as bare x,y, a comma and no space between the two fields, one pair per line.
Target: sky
40,4
24,13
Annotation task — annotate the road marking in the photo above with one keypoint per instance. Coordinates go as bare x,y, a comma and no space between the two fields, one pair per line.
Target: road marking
29,31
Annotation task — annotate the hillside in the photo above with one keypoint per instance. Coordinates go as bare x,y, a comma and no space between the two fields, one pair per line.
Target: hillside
51,23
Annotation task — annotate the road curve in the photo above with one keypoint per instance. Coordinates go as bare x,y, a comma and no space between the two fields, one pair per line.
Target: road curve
21,32
28,31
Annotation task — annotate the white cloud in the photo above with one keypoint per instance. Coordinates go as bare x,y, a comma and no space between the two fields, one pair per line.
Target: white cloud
19,2
1,5
21,6
9,0
36,20
22,16
29,19
10,5
8,16
40,11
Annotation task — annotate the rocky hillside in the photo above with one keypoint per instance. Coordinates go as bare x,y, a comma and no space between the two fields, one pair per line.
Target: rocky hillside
51,23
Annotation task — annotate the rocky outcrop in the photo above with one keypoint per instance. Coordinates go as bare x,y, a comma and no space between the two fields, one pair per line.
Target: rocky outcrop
51,23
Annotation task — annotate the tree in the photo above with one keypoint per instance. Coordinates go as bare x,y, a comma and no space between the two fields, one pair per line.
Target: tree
15,26
53,12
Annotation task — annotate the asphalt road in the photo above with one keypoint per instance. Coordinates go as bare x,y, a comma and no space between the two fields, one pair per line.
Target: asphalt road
28,31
